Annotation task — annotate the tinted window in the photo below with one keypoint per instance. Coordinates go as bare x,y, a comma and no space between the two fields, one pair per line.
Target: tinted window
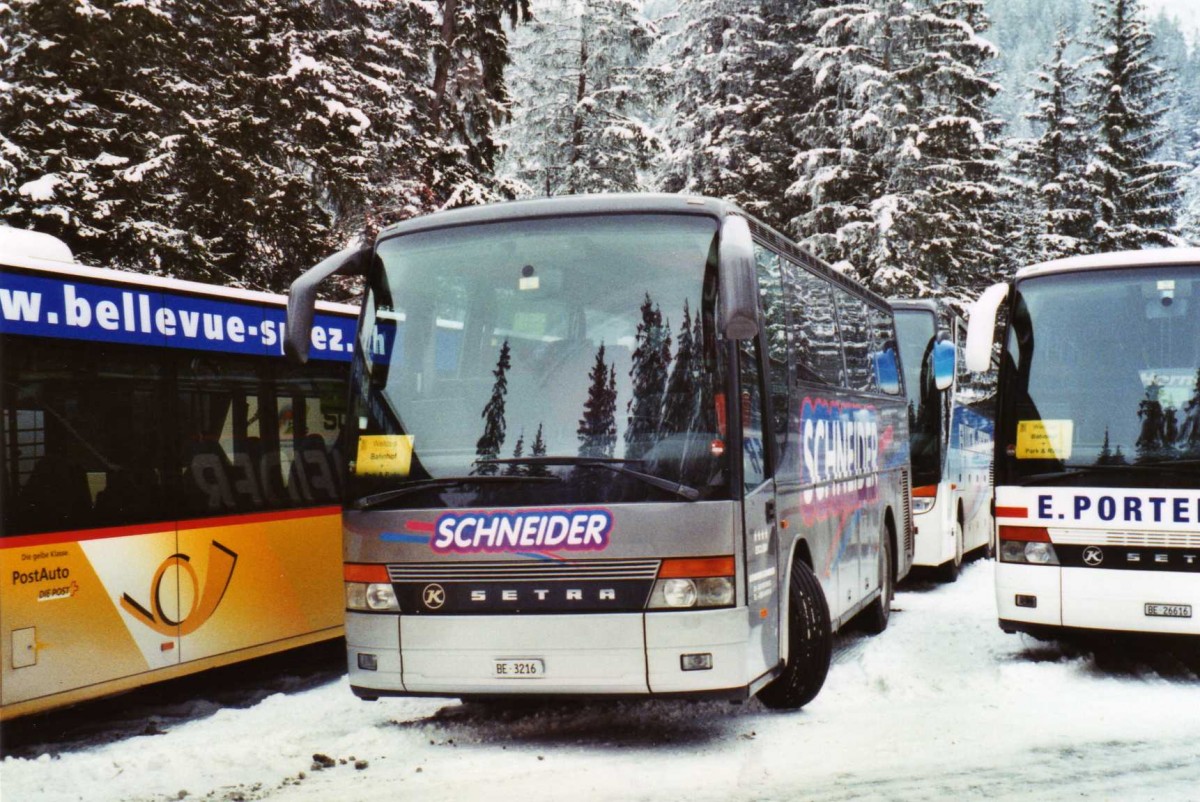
855,324
84,437
771,292
817,351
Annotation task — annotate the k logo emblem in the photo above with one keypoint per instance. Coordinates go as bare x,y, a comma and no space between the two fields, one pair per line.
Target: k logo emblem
1093,556
434,596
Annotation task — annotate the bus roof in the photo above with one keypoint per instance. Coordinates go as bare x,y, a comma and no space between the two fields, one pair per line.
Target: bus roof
619,203
623,203
42,253
18,245
1154,257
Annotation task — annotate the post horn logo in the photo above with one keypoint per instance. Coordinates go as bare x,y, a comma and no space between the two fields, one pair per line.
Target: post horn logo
221,562
434,596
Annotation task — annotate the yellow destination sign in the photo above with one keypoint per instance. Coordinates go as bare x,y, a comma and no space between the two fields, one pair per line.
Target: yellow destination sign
384,454
1044,439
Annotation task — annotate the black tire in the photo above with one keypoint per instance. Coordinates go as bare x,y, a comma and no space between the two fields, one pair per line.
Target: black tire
874,619
810,644
948,571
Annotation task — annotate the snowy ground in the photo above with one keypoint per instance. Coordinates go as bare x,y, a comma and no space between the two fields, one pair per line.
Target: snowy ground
941,706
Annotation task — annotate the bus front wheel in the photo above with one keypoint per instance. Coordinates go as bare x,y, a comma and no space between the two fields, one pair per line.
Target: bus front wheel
810,644
948,571
875,618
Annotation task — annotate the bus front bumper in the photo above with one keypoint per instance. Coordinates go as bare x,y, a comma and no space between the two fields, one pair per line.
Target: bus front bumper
1096,599
620,654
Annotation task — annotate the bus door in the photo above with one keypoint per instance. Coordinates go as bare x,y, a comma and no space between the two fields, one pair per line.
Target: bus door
761,542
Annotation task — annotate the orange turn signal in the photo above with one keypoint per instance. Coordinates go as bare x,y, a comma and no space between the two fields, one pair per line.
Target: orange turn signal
359,572
1027,534
695,567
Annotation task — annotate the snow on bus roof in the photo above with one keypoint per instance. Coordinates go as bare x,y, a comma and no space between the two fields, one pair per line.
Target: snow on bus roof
1152,257
31,250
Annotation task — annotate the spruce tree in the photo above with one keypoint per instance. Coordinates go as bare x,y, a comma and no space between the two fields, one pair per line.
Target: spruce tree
597,430
651,359
82,102
1189,429
1060,219
489,444
517,468
469,98
1136,196
947,165
680,401
538,450
705,64
581,121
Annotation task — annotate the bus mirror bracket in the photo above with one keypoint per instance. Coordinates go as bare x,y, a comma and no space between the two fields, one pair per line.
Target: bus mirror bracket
738,309
302,297
981,328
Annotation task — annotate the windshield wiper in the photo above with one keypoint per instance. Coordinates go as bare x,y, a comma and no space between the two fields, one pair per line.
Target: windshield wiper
614,464
1069,471
376,499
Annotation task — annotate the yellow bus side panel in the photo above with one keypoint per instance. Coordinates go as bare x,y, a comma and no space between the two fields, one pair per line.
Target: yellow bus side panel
262,583
98,613
61,626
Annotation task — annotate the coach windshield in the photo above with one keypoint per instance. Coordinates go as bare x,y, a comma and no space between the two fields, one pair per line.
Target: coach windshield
1107,378
548,361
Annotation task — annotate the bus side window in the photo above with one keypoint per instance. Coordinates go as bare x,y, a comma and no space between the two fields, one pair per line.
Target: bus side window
754,453
83,435
309,424
775,320
816,348
856,341
883,339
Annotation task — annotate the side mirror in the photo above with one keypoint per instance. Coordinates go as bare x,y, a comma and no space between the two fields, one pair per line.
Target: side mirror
944,359
302,298
738,309
887,371
981,328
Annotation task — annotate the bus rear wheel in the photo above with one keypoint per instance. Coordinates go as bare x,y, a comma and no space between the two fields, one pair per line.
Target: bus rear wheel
810,644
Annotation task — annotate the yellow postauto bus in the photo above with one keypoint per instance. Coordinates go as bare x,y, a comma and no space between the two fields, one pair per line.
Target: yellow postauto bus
169,486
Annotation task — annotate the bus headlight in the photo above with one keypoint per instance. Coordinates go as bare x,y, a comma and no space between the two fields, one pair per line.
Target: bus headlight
679,592
368,587
923,498
1027,545
694,583
370,596
921,505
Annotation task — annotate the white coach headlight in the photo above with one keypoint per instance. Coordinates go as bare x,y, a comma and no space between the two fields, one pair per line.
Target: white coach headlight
690,582
679,592
381,597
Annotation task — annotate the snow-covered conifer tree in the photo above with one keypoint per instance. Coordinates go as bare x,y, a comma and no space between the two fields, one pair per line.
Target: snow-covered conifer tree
705,66
581,122
81,103
1135,194
1060,218
469,98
